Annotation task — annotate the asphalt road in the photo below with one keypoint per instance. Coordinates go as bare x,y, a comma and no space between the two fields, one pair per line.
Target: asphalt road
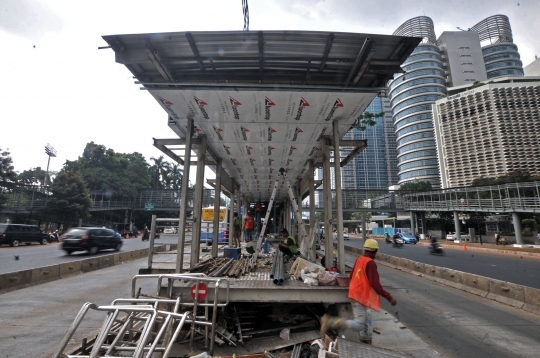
453,322
36,255
512,268
459,324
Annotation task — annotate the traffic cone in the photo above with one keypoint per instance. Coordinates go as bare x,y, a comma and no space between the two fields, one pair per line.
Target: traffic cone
465,247
127,236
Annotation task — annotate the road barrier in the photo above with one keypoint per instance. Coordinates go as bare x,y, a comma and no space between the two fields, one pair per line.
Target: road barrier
519,296
20,279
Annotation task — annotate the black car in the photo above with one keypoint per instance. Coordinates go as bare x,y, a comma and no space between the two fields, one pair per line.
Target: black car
16,234
91,239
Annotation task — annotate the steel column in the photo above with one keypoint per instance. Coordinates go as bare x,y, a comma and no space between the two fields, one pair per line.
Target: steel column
327,192
231,215
457,226
184,199
312,221
339,200
217,206
198,201
517,228
412,223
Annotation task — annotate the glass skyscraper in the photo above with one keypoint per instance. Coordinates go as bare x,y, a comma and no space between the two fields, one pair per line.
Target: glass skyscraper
370,169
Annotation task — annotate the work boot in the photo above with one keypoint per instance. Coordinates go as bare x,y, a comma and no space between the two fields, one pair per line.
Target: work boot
365,338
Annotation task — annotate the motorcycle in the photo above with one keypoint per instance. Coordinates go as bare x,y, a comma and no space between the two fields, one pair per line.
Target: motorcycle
53,236
435,249
387,239
146,236
397,243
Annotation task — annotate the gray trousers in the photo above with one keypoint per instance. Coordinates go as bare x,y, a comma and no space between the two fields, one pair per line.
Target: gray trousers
360,321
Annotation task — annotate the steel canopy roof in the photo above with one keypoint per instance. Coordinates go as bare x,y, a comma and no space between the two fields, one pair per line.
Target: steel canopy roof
264,99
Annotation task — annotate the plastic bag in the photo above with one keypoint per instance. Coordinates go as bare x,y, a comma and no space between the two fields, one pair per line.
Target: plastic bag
309,272
285,334
327,278
310,281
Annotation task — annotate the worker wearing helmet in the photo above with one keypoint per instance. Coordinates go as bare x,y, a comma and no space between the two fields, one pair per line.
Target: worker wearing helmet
364,292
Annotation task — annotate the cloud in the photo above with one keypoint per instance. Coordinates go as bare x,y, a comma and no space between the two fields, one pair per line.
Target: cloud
27,18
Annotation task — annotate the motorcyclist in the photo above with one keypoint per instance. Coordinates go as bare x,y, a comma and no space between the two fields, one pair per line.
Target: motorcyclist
387,238
395,238
434,244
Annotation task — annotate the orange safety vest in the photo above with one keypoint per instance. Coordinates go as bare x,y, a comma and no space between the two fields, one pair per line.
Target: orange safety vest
250,222
360,289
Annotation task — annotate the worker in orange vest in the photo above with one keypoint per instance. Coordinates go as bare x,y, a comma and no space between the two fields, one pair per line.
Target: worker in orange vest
364,291
249,224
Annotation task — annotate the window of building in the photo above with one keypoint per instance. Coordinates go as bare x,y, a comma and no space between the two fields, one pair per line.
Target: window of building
468,71
461,48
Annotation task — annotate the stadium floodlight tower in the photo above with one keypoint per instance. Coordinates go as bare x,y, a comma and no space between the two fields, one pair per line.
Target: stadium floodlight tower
51,152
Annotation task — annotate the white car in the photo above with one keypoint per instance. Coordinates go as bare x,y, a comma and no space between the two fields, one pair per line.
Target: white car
452,236
169,230
345,235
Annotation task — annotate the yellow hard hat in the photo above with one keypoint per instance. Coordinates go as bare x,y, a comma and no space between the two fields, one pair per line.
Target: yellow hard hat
371,245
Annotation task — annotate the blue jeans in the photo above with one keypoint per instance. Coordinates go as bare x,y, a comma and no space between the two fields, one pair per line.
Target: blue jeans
360,321
248,235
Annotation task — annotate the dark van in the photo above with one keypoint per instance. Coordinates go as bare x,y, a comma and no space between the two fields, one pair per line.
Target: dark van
16,234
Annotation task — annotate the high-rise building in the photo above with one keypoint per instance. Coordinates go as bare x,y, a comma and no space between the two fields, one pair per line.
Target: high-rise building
533,69
488,131
457,58
370,168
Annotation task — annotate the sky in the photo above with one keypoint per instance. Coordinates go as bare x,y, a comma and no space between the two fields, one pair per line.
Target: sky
58,88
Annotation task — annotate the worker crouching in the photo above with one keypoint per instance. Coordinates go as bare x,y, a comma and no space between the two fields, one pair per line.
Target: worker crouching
364,292
288,246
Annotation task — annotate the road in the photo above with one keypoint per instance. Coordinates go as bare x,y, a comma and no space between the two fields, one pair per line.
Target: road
453,322
512,268
459,324
36,255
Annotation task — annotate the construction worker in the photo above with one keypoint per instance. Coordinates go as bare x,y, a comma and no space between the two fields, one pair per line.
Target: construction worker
364,292
237,227
249,224
288,246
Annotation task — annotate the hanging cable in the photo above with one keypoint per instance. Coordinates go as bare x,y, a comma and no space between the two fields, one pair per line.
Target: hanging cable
245,10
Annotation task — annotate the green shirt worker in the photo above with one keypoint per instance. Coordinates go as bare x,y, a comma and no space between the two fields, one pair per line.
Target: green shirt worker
288,246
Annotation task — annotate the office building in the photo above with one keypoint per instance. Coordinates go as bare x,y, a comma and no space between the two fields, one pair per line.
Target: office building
488,131
374,167
457,58
533,69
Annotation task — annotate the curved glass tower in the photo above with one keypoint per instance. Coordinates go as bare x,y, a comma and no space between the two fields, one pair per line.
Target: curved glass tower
501,56
411,95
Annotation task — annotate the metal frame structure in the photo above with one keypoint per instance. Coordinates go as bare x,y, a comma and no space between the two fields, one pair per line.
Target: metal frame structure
420,26
495,29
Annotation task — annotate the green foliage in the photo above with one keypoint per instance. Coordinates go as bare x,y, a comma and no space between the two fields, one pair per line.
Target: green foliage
367,119
8,176
516,176
528,222
35,176
71,197
118,173
416,185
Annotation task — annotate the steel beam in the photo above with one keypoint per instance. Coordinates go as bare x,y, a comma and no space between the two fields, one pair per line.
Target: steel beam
231,217
183,200
339,199
361,53
312,226
197,205
217,202
327,192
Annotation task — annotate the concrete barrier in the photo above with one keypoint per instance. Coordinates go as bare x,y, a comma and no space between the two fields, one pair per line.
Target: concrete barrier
44,274
70,268
13,280
532,299
16,280
506,292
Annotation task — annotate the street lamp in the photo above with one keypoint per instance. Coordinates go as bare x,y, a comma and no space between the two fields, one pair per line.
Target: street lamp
51,152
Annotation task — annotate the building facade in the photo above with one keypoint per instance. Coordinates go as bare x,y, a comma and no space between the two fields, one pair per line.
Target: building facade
374,167
457,58
533,69
488,131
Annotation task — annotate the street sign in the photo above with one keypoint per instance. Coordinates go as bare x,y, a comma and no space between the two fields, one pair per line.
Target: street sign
203,291
149,206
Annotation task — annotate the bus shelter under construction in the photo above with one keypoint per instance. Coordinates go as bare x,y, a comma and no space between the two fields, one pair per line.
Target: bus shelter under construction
262,109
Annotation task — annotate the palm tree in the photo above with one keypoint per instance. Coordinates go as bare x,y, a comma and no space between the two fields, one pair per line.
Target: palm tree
176,174
159,169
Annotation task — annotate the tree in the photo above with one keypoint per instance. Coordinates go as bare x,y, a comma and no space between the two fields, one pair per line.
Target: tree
8,176
71,197
119,174
516,176
367,119
159,172
416,185
35,176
